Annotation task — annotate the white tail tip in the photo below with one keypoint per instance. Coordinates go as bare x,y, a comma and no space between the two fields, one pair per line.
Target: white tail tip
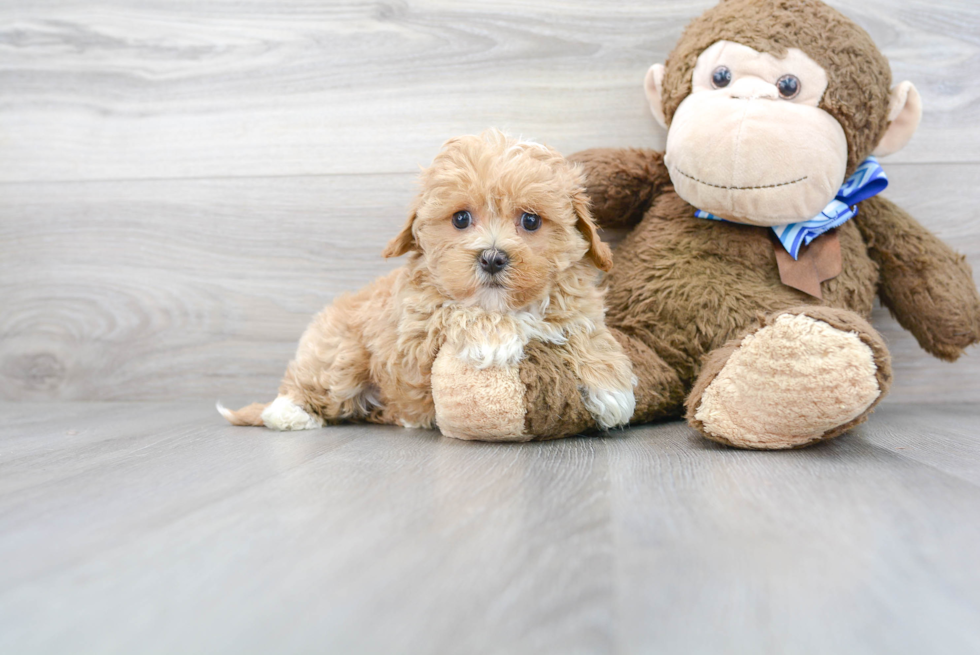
224,411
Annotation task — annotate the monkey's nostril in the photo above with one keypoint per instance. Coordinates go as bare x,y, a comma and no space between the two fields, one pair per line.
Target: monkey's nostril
493,261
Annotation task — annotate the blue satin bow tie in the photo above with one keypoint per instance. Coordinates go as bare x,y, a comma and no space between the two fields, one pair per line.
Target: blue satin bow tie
868,180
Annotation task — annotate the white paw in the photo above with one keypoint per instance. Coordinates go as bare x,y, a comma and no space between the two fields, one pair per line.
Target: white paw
284,414
609,407
416,425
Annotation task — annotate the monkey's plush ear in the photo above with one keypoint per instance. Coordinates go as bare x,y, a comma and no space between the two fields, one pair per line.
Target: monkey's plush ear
405,240
598,252
654,85
904,114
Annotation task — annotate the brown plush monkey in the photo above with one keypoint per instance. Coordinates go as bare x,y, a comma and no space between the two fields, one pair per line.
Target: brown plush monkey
756,325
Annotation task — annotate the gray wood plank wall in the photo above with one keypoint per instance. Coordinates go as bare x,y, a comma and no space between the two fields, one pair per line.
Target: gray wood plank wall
182,184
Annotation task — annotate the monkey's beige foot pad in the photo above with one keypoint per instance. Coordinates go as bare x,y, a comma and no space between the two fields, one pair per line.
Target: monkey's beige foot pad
792,382
485,404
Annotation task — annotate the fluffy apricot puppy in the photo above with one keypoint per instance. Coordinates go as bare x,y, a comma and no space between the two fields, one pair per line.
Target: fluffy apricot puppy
503,252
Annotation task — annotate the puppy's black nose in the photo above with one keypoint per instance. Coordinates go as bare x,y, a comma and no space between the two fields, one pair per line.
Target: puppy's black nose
493,261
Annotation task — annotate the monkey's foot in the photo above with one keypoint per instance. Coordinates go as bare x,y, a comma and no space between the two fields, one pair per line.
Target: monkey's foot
806,375
540,398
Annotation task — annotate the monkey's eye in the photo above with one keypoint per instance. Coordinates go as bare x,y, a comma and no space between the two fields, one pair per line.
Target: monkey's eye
462,220
789,86
721,78
530,222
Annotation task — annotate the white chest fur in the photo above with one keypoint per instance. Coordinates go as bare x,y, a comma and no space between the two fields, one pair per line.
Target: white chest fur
492,339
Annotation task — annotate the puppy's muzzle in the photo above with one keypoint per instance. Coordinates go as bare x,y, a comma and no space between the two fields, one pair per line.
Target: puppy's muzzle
493,261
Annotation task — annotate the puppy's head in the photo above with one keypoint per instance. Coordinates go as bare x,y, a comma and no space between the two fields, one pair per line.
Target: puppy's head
498,220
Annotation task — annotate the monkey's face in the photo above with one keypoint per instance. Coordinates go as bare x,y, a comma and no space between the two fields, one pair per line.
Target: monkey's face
750,143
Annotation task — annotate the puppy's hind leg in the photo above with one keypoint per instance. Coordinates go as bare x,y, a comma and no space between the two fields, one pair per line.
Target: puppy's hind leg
328,380
283,414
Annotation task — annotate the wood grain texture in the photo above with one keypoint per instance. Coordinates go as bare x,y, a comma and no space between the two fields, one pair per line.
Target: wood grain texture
183,184
174,289
121,90
162,289
157,528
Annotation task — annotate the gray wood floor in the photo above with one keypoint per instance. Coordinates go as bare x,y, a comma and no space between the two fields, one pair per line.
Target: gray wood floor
155,528
184,183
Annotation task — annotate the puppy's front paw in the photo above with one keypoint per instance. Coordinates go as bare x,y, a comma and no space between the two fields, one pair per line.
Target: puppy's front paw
284,414
609,407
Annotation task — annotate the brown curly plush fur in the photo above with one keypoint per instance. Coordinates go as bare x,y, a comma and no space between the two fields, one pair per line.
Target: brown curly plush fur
683,287
685,292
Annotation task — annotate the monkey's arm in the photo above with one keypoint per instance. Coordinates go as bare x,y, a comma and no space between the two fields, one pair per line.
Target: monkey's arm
927,286
622,182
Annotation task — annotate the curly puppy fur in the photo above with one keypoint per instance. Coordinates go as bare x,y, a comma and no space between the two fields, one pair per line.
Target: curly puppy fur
369,355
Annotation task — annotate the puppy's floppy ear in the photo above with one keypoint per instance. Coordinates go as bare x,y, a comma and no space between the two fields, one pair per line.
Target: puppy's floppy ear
405,240
599,252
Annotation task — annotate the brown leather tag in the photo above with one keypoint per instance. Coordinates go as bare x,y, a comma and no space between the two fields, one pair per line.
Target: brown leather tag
819,261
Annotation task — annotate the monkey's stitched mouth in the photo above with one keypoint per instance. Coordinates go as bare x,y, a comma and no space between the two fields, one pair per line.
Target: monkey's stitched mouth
739,188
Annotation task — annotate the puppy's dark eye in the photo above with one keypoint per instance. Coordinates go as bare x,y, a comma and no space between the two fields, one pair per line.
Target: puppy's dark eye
462,220
721,77
789,86
530,222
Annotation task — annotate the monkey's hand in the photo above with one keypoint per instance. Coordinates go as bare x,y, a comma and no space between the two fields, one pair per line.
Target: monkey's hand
538,398
485,403
622,183
926,285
